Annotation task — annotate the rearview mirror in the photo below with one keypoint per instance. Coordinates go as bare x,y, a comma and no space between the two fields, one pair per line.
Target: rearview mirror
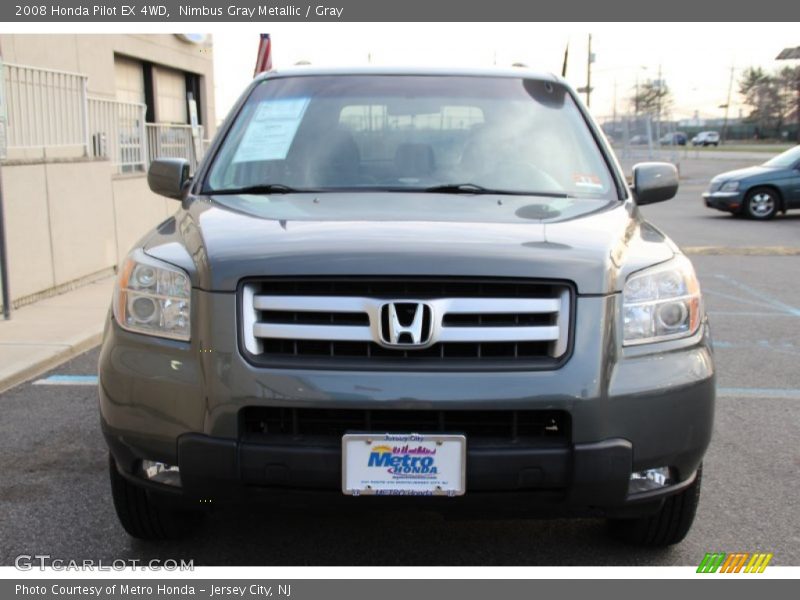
168,176
654,182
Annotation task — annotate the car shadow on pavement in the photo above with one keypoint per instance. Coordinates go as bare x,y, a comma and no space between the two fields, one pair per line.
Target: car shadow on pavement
253,536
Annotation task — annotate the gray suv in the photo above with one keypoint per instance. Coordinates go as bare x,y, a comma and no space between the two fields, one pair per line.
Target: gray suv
408,287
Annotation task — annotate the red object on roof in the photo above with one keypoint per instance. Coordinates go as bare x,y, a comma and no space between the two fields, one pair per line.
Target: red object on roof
264,57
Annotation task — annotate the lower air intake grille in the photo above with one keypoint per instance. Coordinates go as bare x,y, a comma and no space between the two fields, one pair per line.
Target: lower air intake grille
501,425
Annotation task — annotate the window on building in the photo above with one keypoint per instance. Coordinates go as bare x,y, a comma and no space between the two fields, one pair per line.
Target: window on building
129,80
170,95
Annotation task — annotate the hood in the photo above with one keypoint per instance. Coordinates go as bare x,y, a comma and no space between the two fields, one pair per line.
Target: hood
739,174
594,244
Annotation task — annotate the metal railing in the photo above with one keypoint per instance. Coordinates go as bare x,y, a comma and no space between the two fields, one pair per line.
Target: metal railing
51,109
117,132
174,141
46,108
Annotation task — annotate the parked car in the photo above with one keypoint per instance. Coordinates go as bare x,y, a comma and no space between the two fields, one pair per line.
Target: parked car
639,140
759,192
675,138
428,284
706,138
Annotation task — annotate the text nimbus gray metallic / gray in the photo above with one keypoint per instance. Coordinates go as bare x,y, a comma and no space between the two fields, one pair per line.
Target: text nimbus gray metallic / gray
233,10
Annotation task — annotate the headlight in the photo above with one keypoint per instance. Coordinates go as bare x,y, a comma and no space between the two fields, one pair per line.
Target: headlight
730,186
153,298
661,303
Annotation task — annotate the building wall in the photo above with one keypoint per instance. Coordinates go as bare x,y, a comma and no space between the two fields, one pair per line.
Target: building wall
70,218
68,221
93,55
139,209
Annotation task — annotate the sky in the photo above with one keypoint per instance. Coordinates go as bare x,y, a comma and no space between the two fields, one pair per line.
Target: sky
695,59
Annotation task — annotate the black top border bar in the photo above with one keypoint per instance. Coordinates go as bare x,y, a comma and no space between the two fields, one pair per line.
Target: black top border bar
209,11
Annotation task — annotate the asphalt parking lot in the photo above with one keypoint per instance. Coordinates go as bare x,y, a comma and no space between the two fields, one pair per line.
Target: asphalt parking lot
54,493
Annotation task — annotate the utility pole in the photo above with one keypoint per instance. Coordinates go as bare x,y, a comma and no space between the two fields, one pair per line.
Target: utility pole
727,108
589,61
614,117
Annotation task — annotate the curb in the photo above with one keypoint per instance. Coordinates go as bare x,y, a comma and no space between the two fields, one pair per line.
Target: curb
38,367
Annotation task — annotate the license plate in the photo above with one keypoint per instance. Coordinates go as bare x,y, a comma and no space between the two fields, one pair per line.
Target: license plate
393,464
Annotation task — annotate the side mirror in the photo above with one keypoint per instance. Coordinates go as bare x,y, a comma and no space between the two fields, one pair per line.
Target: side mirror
168,176
654,182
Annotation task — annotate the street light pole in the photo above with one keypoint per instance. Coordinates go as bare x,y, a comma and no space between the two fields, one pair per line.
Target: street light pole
659,91
589,74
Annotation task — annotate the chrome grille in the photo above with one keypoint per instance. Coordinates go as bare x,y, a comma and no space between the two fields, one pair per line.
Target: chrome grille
336,322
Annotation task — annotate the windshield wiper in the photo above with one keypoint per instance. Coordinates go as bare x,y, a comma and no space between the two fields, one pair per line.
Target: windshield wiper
474,188
264,188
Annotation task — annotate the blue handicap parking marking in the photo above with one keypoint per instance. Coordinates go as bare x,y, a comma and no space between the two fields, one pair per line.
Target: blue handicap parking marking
67,380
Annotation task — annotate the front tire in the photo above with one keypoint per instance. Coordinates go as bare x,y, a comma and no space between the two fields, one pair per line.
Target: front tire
666,527
762,204
142,516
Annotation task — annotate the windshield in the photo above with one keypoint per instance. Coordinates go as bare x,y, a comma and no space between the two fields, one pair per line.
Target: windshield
785,160
451,134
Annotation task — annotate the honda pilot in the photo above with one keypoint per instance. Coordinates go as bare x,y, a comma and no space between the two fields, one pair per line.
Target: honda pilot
408,287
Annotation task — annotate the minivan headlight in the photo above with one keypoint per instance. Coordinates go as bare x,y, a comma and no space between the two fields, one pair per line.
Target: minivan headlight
730,186
661,303
153,298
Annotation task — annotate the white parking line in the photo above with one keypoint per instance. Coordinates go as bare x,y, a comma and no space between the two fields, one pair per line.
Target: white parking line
765,298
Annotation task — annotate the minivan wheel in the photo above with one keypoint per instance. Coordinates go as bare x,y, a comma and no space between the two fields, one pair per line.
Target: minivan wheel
762,204
142,516
666,527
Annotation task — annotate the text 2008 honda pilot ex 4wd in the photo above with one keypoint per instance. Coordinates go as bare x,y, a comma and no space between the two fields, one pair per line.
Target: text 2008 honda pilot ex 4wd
386,283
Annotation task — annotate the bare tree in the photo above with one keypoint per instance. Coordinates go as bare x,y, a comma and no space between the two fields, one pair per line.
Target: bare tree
771,98
651,97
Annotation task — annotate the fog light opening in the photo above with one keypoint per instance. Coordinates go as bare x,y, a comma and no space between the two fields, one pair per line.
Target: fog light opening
650,479
161,473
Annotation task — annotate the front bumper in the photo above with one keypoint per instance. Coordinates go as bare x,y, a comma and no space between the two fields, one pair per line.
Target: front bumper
630,409
727,201
582,479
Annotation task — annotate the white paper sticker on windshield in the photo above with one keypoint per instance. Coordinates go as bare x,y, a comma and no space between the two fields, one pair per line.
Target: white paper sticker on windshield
587,181
271,131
